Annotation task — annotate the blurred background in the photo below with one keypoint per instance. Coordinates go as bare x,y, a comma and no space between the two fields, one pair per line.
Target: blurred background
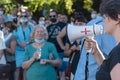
42,7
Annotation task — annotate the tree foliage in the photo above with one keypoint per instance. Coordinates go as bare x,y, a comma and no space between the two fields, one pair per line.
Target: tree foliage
88,4
62,6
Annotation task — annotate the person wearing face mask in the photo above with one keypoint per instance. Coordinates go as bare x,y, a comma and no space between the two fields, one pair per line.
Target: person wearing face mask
37,60
93,14
22,35
53,30
42,21
10,43
71,50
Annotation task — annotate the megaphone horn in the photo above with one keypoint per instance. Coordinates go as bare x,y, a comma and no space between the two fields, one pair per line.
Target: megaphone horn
75,32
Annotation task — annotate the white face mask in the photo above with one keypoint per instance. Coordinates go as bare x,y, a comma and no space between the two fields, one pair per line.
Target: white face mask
41,22
30,17
24,20
1,12
93,15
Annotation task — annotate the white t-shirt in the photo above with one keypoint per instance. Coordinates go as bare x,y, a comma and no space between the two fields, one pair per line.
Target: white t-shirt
2,46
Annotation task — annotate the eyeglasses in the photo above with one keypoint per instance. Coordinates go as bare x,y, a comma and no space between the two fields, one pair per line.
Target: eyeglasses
52,16
23,16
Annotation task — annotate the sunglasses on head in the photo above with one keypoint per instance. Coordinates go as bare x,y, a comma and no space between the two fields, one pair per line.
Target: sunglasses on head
52,16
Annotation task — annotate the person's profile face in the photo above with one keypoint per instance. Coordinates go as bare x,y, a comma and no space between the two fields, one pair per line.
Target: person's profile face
109,24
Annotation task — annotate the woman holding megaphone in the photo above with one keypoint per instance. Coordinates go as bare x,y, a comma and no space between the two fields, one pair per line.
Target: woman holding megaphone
109,67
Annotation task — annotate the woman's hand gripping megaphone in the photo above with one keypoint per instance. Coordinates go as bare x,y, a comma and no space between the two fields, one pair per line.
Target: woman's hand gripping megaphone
91,45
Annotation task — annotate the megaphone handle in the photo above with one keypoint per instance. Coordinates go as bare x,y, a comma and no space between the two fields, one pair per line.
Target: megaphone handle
90,50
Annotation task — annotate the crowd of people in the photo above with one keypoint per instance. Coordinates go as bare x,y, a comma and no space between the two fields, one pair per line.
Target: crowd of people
42,50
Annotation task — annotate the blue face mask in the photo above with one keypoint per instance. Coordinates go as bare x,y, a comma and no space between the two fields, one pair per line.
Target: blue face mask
39,41
23,20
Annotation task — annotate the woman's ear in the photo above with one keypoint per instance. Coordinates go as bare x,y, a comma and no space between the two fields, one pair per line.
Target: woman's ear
119,16
119,19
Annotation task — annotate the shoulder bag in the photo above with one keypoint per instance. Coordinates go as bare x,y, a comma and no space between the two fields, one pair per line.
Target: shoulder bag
4,68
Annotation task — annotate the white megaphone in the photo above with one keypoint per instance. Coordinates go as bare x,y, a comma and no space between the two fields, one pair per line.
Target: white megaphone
77,32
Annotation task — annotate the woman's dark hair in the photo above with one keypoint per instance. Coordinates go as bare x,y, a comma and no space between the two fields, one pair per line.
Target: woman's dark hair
80,18
110,8
11,25
77,13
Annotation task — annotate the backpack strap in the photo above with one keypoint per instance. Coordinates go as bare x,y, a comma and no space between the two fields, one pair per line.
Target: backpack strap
52,32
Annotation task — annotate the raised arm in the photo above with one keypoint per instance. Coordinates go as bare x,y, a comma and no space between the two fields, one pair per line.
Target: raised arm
96,52
60,37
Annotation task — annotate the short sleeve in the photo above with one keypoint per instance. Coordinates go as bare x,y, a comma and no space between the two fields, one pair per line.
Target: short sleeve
115,58
54,51
2,44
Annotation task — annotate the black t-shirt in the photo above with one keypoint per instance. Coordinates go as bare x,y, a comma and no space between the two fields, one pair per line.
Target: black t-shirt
104,71
53,31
